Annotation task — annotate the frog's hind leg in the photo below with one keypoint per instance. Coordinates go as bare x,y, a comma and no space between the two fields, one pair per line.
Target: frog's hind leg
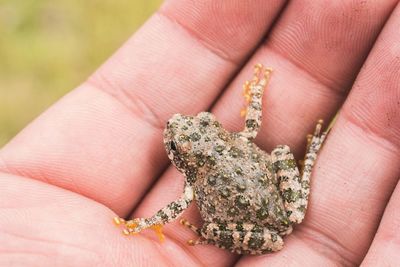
253,92
295,188
289,183
314,143
241,238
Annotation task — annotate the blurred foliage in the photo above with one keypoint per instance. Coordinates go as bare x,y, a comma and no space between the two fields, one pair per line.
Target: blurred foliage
48,47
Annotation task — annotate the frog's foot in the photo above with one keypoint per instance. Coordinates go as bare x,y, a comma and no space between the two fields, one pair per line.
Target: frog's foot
247,86
199,241
301,162
315,140
185,222
252,92
136,225
196,230
157,228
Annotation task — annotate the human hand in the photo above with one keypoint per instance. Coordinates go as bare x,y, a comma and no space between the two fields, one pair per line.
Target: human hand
98,152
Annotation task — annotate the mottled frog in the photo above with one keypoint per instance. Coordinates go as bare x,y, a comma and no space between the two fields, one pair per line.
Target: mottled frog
248,199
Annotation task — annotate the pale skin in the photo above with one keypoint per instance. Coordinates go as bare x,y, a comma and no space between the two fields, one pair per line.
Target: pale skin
98,152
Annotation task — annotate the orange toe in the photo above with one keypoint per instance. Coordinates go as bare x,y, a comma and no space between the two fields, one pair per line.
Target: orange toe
158,229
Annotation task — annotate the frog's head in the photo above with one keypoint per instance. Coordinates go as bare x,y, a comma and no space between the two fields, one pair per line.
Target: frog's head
188,139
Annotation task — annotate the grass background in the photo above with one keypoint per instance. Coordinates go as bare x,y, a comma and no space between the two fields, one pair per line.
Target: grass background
49,47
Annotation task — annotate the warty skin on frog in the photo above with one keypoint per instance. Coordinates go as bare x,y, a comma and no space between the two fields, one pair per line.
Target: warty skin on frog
248,199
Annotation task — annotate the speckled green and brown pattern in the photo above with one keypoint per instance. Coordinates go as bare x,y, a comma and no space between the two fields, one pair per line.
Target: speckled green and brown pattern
247,198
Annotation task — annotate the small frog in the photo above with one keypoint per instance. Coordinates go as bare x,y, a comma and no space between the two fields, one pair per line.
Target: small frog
248,199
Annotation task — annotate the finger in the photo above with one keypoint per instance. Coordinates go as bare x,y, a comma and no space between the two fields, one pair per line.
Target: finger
316,51
358,167
384,250
50,226
104,140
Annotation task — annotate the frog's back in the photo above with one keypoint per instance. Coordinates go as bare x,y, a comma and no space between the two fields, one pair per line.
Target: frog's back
241,187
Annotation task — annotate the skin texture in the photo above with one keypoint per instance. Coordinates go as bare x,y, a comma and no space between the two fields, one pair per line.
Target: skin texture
98,152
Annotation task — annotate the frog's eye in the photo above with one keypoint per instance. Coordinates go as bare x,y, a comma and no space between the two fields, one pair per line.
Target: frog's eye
172,145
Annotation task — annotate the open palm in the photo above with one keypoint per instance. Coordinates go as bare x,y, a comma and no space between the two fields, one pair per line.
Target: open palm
98,152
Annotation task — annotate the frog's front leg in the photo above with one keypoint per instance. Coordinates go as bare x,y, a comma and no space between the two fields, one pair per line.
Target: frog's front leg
294,188
163,216
240,238
253,92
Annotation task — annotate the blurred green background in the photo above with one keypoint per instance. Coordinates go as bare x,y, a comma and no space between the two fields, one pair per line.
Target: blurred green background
49,47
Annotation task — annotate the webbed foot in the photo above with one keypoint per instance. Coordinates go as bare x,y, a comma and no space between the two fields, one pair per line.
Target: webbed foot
136,225
192,242
253,91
